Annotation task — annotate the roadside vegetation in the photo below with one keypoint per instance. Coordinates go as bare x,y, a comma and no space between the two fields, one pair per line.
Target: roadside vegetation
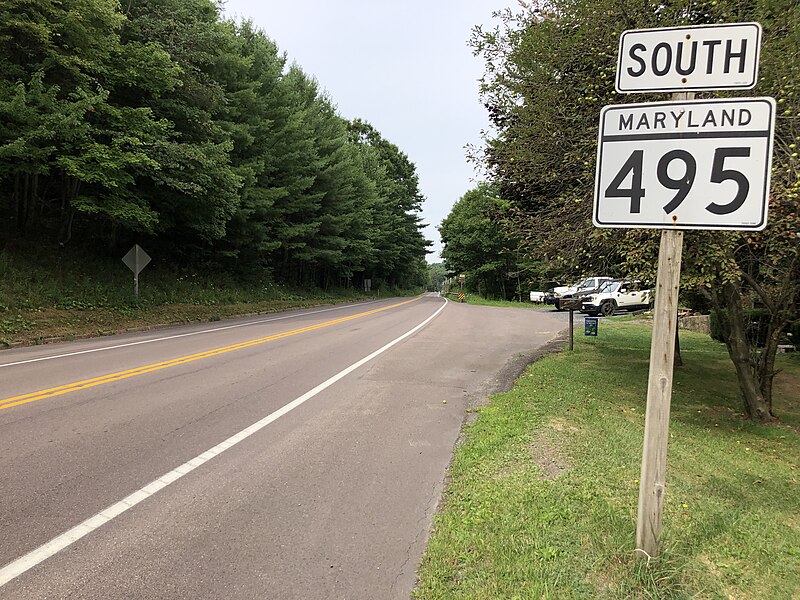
163,124
542,493
67,295
481,301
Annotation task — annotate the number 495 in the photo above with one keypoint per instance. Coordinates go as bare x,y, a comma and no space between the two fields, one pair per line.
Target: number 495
683,184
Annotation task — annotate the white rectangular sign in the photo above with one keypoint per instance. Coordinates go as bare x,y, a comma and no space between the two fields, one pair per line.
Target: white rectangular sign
685,59
701,164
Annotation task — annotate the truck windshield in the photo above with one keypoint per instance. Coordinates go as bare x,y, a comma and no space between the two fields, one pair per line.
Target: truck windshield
609,287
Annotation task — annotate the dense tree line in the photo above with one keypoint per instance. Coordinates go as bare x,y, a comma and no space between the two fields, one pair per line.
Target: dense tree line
437,277
159,122
549,71
476,244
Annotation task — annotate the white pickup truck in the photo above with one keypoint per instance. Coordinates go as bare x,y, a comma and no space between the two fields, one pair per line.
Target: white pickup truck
616,295
585,287
538,297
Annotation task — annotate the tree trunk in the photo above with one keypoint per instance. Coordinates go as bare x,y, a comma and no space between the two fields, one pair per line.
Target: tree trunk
72,186
17,201
678,360
112,237
22,211
65,232
779,302
765,366
31,204
757,405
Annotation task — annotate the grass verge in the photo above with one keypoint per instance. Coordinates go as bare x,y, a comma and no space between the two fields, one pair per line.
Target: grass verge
54,296
480,300
542,494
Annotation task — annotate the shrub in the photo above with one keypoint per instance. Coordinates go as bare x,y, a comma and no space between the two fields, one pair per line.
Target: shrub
716,327
794,332
691,298
757,320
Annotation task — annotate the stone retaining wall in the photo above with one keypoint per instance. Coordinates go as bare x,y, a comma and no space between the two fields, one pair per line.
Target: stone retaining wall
701,323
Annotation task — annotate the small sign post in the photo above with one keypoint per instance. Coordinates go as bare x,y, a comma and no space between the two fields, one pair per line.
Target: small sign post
680,165
571,304
136,259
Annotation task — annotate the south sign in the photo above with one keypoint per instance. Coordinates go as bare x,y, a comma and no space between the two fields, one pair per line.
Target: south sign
685,59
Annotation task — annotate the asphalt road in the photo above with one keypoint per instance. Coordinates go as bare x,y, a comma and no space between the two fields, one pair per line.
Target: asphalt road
299,455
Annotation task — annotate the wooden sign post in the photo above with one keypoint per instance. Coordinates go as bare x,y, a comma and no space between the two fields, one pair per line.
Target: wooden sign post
652,480
653,476
571,304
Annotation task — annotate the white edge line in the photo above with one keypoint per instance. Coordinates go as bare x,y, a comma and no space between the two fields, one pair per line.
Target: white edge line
34,557
180,335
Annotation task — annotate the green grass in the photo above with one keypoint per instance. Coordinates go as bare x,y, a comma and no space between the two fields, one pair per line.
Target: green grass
541,501
66,294
74,281
480,300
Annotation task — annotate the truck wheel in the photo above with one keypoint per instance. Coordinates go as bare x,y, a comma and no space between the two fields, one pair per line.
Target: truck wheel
608,308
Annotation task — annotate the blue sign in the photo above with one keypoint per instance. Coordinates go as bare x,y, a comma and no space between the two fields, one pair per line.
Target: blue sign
590,326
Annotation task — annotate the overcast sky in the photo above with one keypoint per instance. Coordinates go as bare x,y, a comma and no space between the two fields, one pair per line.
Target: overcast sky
402,65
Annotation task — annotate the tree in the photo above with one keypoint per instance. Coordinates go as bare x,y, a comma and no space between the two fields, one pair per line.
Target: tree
550,69
195,189
67,145
272,152
476,244
437,275
396,233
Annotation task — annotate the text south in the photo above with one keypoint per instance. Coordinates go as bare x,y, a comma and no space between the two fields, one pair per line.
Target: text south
685,119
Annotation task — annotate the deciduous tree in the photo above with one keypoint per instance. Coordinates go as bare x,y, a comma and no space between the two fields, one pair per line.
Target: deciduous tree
549,71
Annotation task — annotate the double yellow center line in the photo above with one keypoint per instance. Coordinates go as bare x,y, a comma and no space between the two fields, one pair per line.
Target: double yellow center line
174,362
